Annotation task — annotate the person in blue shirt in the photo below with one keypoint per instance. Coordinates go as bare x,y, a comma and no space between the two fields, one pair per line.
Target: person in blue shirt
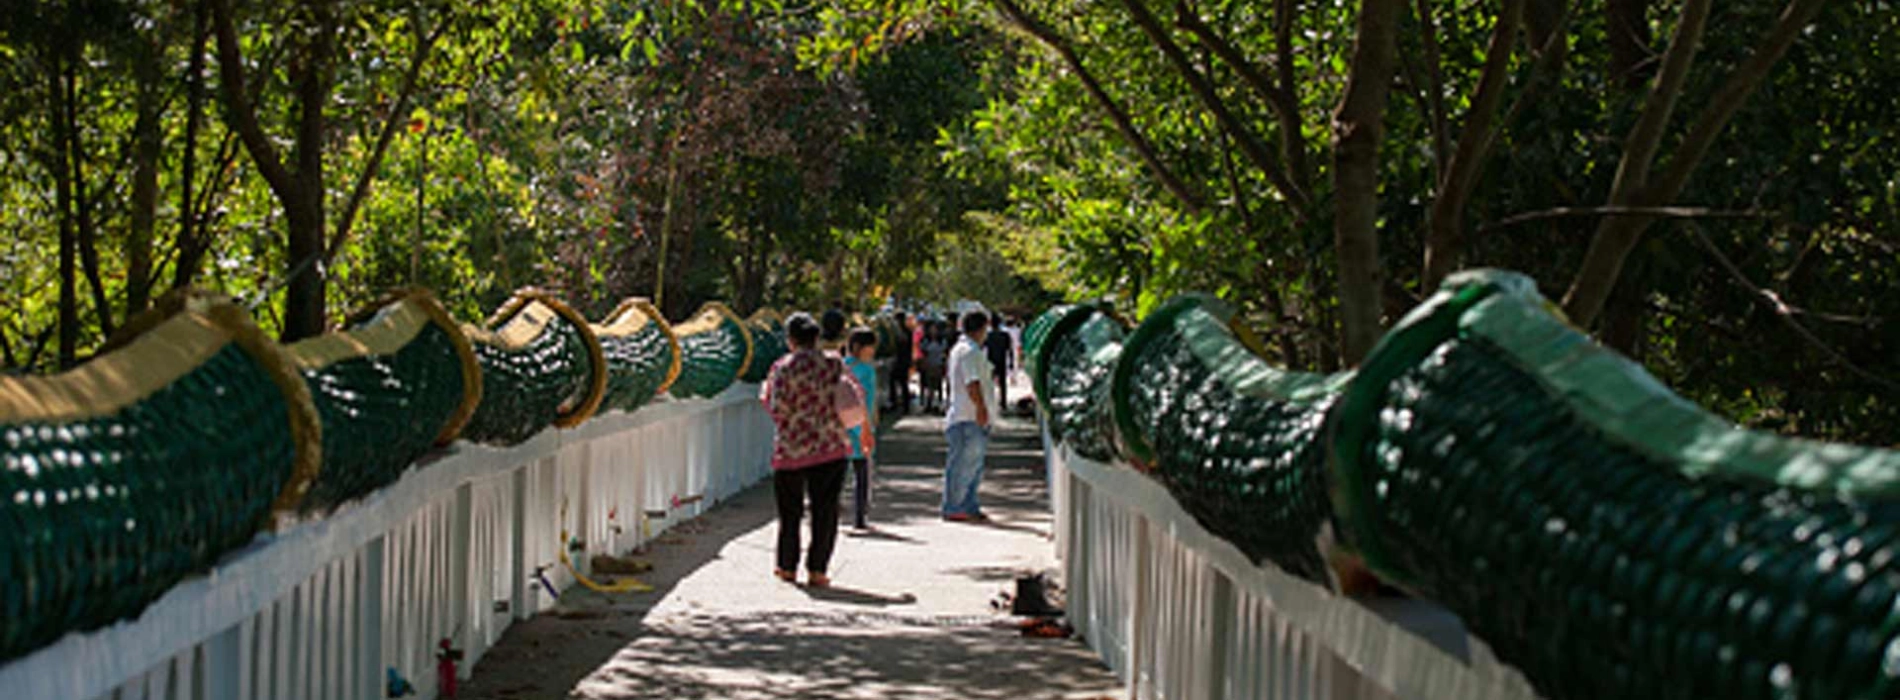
859,351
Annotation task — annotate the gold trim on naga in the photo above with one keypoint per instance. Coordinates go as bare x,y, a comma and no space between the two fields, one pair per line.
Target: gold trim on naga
167,350
523,318
672,336
708,318
387,325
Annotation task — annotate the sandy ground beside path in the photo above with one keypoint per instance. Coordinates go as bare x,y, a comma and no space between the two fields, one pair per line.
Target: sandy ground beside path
908,616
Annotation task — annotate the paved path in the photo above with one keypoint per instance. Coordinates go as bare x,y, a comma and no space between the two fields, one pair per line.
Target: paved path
908,617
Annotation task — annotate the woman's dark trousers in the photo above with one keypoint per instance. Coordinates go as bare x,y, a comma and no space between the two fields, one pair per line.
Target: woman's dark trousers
822,483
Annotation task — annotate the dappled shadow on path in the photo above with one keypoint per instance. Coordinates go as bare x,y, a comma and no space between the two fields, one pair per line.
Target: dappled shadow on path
881,534
770,657
987,573
910,617
586,629
853,596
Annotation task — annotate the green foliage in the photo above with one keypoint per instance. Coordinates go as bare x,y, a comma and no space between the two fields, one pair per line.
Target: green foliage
1088,215
663,149
777,155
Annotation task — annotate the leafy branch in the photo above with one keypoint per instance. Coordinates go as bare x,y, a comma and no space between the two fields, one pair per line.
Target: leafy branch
1772,301
1116,113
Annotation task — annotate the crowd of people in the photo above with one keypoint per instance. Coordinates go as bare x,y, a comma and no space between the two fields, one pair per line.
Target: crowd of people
924,358
824,400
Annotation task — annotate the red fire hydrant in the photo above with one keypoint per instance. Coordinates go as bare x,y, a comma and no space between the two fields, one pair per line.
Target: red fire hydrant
445,659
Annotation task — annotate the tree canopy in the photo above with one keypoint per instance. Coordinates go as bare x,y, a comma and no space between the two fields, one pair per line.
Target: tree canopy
1708,186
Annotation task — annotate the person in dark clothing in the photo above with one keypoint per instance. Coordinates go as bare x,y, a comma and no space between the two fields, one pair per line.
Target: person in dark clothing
900,367
935,349
831,329
998,347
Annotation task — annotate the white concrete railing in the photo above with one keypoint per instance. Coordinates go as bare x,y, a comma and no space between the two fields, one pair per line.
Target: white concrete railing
321,609
1181,614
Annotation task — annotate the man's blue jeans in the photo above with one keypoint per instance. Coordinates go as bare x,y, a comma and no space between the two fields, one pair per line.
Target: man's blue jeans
963,469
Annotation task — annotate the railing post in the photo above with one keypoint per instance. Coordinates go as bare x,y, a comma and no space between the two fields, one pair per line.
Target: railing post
1138,632
641,487
764,436
462,609
692,479
1081,556
1223,611
719,479
524,570
582,505
1052,483
370,654
224,664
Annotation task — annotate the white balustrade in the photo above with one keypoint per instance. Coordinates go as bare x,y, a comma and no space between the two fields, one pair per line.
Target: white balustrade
321,609
1181,614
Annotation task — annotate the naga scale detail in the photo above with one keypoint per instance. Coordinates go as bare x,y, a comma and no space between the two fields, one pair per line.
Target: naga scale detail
1598,531
191,431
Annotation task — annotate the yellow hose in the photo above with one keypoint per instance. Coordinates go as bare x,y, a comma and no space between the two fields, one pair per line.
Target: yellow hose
626,584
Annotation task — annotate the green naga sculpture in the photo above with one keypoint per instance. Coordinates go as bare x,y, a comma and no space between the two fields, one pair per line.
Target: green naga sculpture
175,445
716,349
642,353
768,344
541,366
399,380
1598,531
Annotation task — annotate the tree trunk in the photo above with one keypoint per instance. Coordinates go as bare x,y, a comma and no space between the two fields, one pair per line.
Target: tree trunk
32,357
1622,327
1434,84
683,253
300,191
191,245
1358,128
82,198
1291,120
147,149
833,288
752,271
1543,20
1326,323
304,303
1445,243
305,307
1617,236
68,348
1283,102
398,115
1284,327
1628,24
669,199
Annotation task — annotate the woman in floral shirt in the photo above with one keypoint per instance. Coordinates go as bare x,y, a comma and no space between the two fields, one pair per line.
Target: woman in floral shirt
809,449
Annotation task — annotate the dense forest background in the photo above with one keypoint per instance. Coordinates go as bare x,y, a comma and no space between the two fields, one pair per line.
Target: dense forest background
1709,187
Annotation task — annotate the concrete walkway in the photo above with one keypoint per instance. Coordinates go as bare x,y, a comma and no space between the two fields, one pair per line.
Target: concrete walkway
908,616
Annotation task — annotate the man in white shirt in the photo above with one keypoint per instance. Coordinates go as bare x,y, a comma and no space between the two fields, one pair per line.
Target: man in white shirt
972,393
